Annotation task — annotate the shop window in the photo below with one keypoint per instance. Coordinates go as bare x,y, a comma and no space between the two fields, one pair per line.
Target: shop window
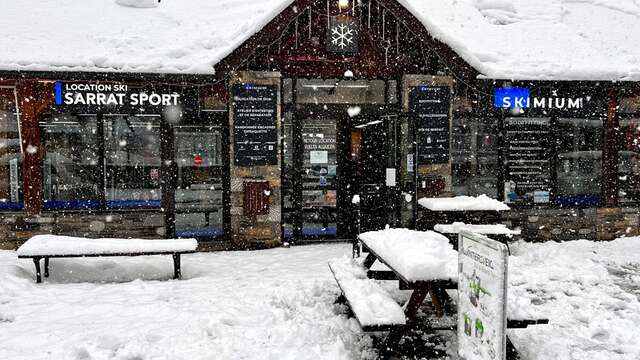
199,193
474,157
10,153
132,161
70,167
579,163
629,161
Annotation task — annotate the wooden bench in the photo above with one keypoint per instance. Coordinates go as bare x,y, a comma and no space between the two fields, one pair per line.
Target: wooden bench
52,246
371,305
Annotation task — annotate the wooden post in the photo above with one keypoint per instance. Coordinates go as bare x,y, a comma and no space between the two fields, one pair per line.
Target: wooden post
32,169
611,149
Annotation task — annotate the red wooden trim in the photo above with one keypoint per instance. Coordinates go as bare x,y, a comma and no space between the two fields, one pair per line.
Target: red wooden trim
31,164
279,23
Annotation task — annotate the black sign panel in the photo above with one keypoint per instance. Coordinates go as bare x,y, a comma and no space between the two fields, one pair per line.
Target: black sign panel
87,97
430,107
342,35
527,153
255,132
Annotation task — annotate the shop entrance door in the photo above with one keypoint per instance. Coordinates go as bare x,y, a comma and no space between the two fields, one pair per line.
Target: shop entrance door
199,191
330,155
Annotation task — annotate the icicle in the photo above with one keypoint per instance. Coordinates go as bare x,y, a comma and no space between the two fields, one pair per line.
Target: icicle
296,35
310,23
384,23
328,15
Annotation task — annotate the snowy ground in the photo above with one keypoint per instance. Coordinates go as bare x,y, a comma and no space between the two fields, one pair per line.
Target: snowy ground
278,304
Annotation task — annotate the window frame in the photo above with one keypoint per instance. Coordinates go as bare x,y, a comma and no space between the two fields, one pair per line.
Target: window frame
20,204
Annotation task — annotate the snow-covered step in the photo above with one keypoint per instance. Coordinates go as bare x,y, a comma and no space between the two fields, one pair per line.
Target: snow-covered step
372,306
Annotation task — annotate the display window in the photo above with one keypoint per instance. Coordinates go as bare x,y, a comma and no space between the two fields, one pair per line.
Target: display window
579,164
71,170
132,161
10,152
629,161
475,157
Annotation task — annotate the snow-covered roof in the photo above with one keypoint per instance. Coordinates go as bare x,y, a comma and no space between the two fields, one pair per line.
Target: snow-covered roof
177,36
502,39
539,39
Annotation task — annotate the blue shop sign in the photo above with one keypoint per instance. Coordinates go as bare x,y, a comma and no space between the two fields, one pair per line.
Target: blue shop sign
512,98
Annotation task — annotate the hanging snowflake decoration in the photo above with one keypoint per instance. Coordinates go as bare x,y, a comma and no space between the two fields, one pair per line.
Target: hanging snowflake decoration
342,36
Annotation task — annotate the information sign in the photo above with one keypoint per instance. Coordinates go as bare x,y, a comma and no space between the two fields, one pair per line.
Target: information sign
482,297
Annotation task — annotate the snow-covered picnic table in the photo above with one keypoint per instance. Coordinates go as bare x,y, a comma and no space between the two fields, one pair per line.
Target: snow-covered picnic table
55,246
463,203
481,210
424,262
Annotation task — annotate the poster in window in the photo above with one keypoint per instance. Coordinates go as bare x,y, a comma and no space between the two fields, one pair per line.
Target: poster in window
528,160
430,108
255,125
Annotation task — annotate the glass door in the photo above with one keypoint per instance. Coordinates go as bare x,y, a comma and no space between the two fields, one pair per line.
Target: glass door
199,190
319,177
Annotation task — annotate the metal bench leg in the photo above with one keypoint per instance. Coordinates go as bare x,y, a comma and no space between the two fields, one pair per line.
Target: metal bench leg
36,262
176,266
46,267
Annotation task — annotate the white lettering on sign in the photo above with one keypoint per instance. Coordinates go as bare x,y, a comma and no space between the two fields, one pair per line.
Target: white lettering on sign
543,102
110,95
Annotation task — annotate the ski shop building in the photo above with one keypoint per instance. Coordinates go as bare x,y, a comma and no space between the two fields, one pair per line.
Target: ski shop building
249,123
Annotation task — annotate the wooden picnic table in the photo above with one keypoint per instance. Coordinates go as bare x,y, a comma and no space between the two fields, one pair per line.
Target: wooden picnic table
426,264
466,209
398,254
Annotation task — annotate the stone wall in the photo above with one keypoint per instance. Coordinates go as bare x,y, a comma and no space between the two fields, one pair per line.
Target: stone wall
572,224
15,228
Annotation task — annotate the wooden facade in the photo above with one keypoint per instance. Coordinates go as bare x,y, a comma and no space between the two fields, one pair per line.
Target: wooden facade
393,48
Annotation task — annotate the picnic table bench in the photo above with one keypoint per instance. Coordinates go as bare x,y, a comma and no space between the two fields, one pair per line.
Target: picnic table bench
53,246
423,262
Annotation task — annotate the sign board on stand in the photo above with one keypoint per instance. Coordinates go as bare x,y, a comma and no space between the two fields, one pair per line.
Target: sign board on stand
482,297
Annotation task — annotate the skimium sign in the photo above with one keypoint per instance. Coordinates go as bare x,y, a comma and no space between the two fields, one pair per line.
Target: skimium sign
520,98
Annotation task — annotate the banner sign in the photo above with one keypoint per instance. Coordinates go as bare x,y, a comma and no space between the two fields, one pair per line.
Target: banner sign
430,107
482,297
528,160
98,97
562,101
255,110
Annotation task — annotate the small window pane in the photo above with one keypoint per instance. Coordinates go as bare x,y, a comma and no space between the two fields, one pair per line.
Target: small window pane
579,166
132,157
629,161
474,155
70,167
10,154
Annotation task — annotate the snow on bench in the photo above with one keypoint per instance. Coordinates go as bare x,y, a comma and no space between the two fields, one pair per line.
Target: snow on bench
484,229
55,246
372,306
463,203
